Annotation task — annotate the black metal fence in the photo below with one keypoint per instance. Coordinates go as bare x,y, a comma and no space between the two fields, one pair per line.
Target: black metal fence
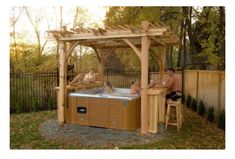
122,79
36,91
32,91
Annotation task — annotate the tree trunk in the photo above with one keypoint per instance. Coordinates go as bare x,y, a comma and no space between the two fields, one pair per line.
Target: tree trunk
101,71
13,24
162,57
37,32
14,41
39,44
188,14
180,43
184,47
222,31
100,57
170,57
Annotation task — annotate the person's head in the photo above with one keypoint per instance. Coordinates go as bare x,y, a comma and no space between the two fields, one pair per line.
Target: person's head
107,84
170,71
91,71
135,81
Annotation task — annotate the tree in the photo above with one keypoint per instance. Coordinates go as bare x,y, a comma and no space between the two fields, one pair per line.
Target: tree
28,57
222,37
102,55
35,22
134,15
15,15
80,19
209,38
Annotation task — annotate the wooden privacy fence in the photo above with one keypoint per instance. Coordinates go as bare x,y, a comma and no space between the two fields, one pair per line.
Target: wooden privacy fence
208,86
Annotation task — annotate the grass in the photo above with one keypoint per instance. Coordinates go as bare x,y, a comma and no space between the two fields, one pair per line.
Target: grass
196,133
24,132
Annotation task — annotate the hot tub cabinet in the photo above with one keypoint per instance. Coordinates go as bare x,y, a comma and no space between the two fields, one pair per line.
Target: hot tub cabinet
103,110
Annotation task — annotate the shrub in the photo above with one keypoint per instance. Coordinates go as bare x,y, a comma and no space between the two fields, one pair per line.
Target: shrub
35,105
201,108
221,123
194,105
183,98
189,98
210,115
18,106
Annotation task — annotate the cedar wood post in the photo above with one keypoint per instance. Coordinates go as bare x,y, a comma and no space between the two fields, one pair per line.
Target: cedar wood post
145,43
62,81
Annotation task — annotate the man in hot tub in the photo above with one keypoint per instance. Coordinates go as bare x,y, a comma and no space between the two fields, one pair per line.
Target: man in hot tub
108,87
135,86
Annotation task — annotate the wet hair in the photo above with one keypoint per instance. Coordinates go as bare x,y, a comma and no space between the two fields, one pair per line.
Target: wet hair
108,84
171,69
133,81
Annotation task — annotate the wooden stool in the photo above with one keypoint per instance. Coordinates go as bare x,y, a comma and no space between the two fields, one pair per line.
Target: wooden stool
179,116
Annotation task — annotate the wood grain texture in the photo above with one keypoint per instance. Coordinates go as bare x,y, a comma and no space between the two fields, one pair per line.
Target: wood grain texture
107,113
98,112
156,104
115,114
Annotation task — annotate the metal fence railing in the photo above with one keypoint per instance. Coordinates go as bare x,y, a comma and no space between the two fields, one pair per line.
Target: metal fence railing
122,79
35,91
32,91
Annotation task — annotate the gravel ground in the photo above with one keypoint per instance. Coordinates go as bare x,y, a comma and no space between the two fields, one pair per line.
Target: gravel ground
97,137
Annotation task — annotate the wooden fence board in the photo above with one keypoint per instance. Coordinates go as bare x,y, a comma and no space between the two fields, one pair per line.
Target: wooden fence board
210,87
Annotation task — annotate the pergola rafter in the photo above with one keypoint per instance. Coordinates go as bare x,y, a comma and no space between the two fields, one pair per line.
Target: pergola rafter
139,38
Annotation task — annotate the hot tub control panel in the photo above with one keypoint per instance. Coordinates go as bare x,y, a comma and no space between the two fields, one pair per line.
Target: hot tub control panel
81,110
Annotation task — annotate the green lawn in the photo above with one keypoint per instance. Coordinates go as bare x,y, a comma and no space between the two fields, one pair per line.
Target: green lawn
196,133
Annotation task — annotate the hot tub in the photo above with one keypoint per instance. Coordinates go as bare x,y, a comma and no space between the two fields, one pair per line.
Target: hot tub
94,107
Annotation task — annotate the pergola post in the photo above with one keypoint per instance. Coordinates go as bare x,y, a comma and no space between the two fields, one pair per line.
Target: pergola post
162,60
62,82
145,44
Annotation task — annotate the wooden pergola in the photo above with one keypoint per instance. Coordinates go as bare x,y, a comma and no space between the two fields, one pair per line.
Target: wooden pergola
139,38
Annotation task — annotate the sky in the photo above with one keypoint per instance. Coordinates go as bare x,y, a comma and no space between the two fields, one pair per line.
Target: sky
96,14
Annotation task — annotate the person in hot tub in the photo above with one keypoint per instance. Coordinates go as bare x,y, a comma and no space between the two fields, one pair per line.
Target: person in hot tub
89,78
135,86
108,87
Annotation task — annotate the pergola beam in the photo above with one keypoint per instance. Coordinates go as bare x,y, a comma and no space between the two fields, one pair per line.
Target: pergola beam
158,41
136,50
111,34
120,43
71,48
